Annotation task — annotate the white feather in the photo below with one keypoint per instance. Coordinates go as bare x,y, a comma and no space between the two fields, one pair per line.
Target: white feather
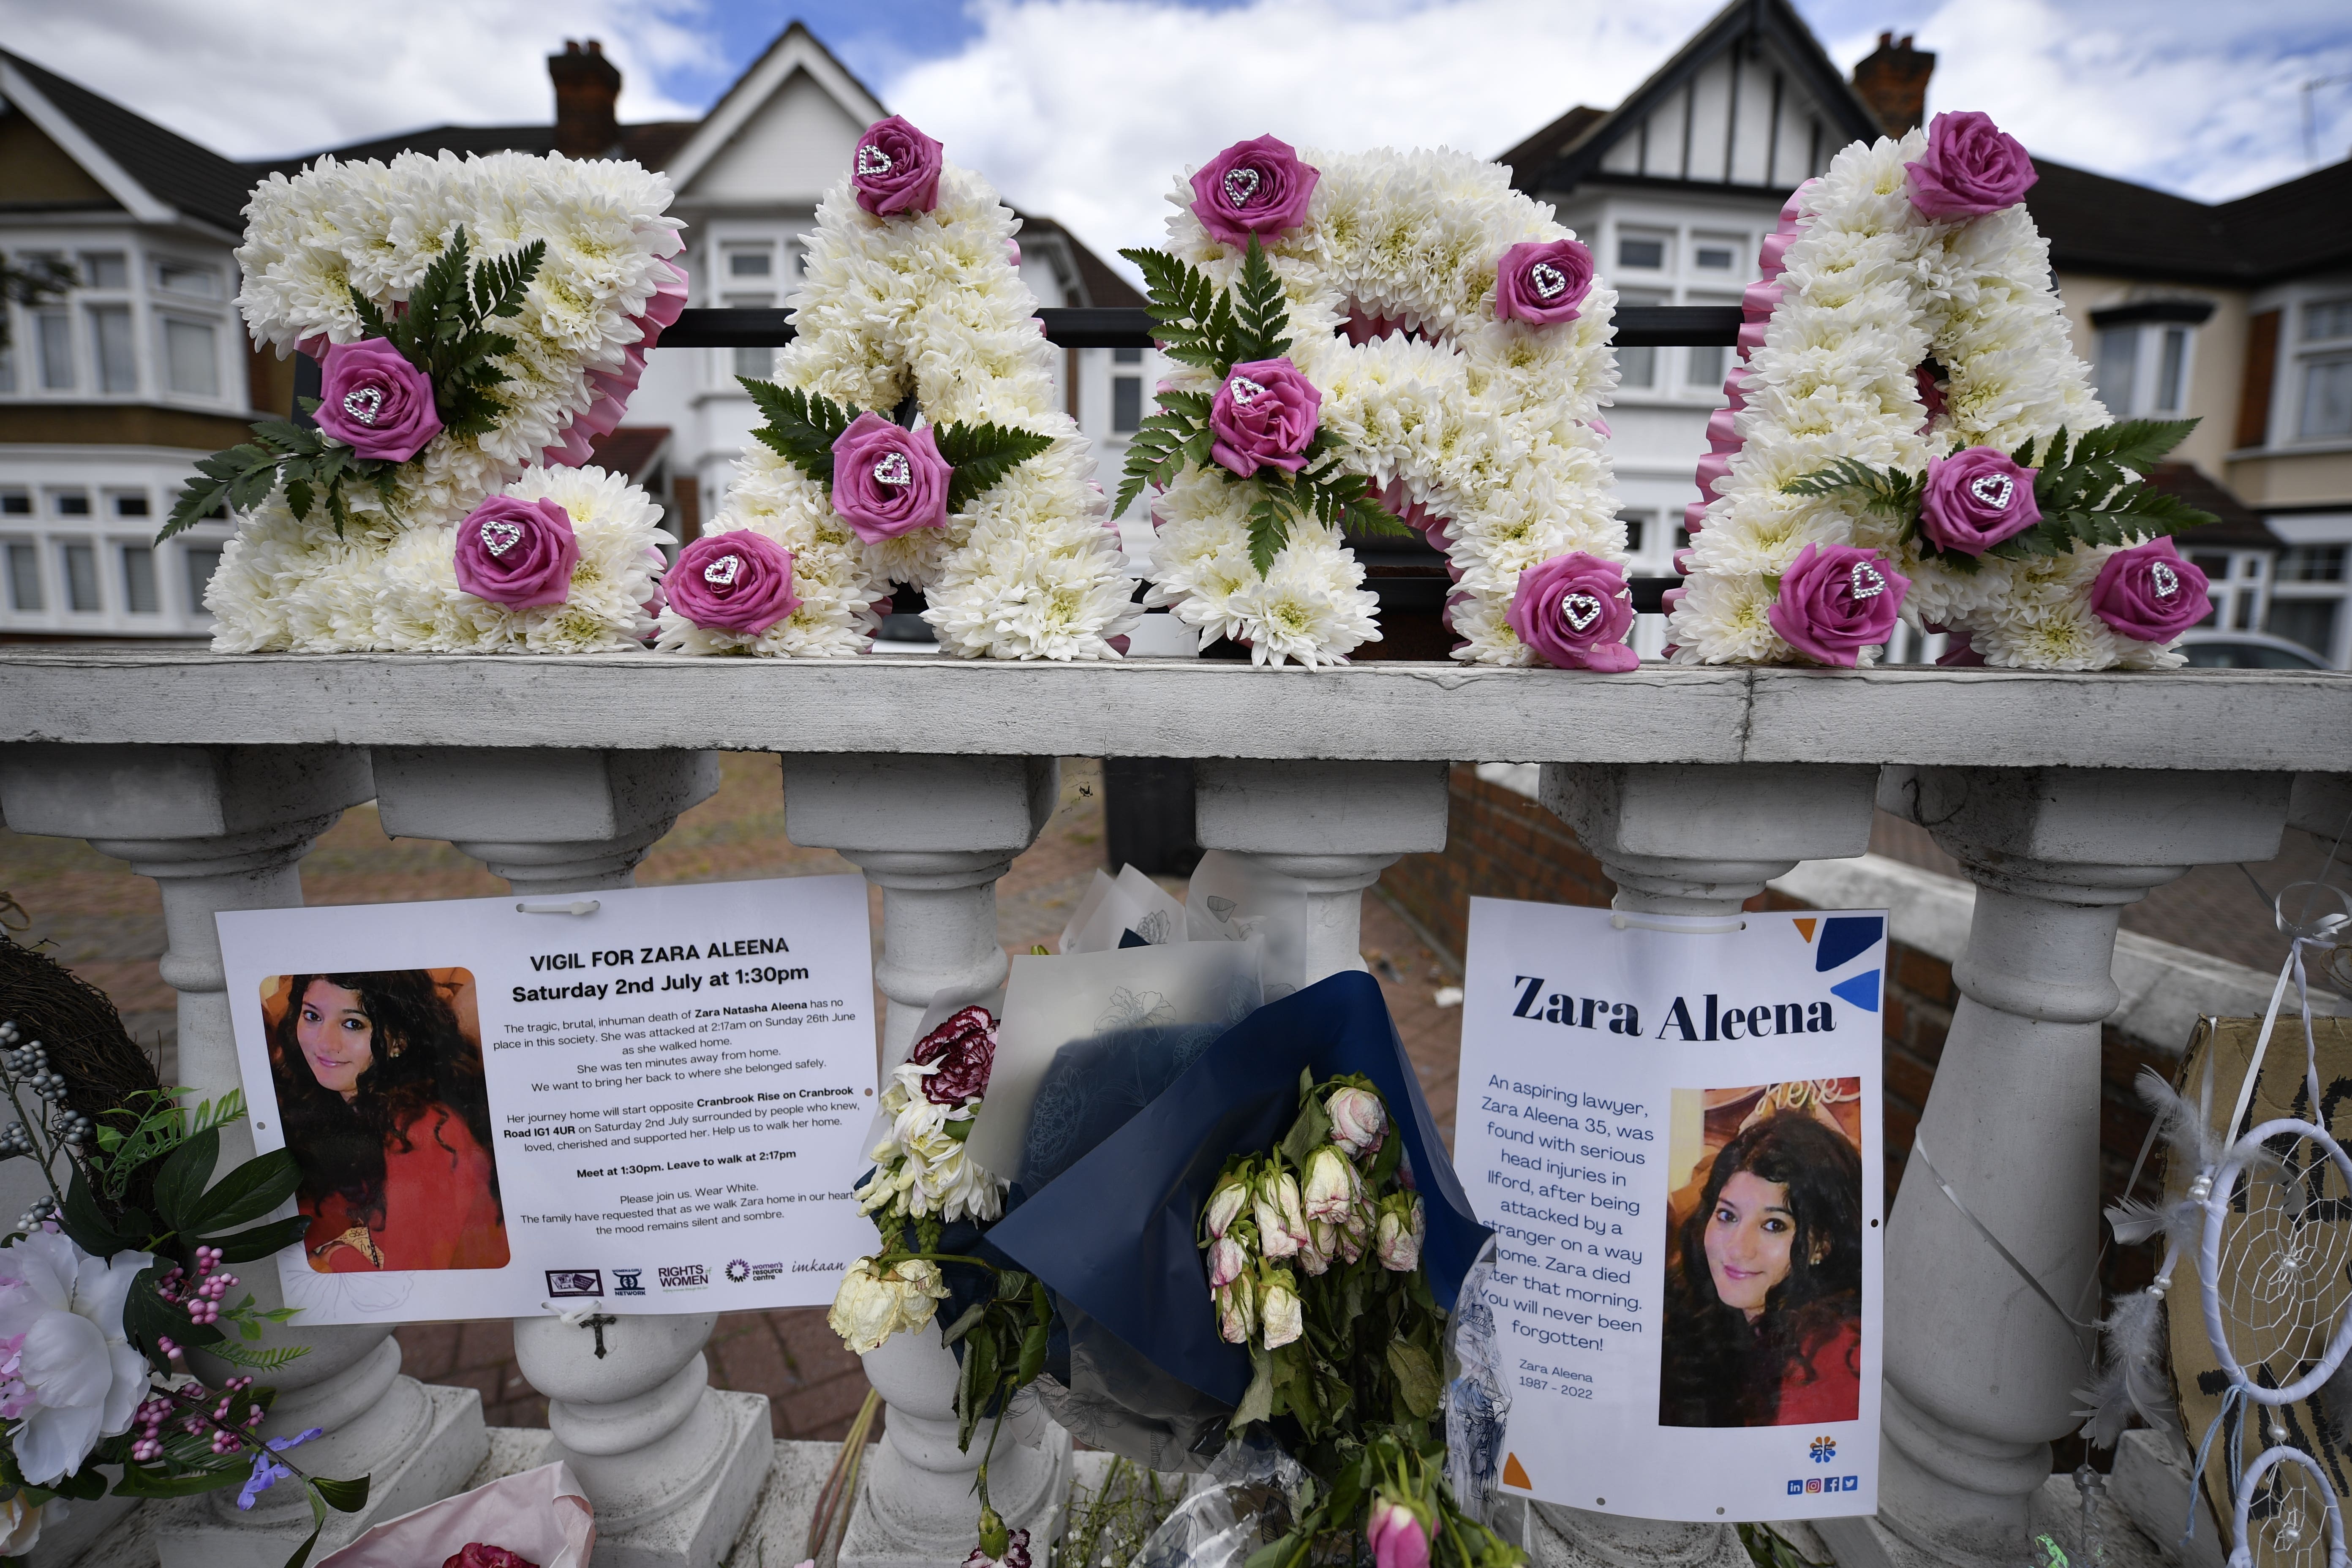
2131,1377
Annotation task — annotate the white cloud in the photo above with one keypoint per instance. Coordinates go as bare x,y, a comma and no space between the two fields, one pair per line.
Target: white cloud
1087,110
254,79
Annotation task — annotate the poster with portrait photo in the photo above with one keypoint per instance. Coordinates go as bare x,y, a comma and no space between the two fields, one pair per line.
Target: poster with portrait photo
1672,1124
651,1100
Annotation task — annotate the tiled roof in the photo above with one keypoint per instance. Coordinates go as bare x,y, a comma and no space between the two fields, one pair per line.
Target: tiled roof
2239,526
652,143
1102,283
174,170
2095,224
629,449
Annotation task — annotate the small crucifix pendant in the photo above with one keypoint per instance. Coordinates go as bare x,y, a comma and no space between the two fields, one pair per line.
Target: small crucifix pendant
599,1321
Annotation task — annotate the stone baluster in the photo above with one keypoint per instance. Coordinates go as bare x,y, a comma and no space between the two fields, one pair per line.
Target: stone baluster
672,1465
1693,841
934,833
1328,829
1981,1374
219,829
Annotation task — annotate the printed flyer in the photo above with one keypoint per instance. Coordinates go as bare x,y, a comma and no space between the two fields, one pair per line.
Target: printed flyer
656,1104
1672,1124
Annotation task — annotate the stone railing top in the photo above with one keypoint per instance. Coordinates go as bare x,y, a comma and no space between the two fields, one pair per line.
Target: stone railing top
2258,719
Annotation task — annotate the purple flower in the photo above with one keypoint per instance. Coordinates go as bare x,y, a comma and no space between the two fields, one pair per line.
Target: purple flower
965,1049
1836,600
739,581
1972,167
266,1471
895,169
1263,417
888,481
2149,594
1975,498
375,402
1573,612
1542,284
516,552
1256,187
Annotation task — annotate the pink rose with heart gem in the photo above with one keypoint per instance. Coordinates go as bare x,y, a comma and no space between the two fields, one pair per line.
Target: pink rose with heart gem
888,482
375,402
1573,612
2149,594
1263,417
895,169
1975,498
1836,600
1258,187
1971,168
1542,284
518,553
734,582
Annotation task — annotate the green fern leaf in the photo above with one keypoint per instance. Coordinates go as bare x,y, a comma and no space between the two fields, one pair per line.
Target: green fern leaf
1261,316
981,456
801,426
1269,527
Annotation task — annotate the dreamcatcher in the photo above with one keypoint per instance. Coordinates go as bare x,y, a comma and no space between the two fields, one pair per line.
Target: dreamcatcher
2268,1219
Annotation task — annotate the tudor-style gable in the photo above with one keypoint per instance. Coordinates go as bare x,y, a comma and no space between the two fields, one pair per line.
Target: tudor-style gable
1750,105
782,132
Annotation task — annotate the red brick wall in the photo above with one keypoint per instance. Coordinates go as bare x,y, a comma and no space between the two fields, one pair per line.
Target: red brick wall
1501,845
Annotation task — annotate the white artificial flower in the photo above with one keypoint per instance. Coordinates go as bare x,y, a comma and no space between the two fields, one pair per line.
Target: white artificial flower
921,1168
1487,424
74,1377
21,1523
872,1304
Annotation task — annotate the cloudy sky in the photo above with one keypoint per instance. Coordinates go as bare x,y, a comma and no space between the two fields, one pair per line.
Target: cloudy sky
1086,108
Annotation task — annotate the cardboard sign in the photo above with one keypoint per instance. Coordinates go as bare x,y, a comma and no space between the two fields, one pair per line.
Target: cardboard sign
656,1106
1672,1125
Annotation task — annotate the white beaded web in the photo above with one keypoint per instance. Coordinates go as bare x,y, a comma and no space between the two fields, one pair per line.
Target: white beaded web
2287,1515
2278,1245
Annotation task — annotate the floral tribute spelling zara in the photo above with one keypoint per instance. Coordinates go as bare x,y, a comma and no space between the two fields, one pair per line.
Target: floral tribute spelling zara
1366,341
479,323
914,434
1910,438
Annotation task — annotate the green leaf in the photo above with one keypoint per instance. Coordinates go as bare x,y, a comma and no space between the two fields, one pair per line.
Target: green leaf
1416,1377
1261,315
1309,1133
981,456
801,426
138,1480
246,1193
269,1359
966,1324
303,1552
180,1184
1270,517
88,1225
1257,1400
343,1496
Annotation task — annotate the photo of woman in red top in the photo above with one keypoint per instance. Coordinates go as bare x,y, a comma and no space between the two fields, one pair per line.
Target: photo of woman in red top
380,1094
1764,1283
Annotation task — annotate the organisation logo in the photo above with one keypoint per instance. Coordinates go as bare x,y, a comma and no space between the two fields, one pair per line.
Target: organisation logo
738,1270
575,1282
1801,1485
683,1276
1824,1449
628,1281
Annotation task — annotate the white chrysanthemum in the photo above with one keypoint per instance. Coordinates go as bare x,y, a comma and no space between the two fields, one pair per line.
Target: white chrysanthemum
284,587
1486,423
1871,290
311,239
929,304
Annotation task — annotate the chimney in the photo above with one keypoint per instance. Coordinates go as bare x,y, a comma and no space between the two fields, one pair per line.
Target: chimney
587,87
1893,79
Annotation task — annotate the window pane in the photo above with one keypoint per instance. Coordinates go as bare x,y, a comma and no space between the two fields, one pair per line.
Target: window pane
138,579
1125,403
2327,398
196,282
2312,563
131,506
1635,522
110,337
8,361
82,576
23,577
16,503
2168,374
2310,622
1640,252
1126,356
1714,257
73,504
757,364
750,263
2118,364
203,560
1705,366
1637,367
188,351
55,328
2325,319
104,269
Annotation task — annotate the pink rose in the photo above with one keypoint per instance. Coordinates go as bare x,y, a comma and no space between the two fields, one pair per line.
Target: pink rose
1542,283
1574,611
1975,498
479,1554
1836,600
2149,594
888,481
518,553
375,402
1396,1536
964,1046
895,169
735,582
1263,417
1972,168
1252,188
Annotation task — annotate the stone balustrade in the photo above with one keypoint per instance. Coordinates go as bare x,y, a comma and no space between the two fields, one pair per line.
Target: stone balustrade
2064,796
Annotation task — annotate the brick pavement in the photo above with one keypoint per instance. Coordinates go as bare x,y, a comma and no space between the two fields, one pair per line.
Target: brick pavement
108,925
